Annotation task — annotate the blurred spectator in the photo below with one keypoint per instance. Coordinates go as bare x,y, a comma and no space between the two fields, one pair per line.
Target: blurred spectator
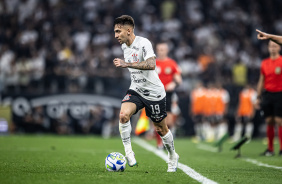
58,46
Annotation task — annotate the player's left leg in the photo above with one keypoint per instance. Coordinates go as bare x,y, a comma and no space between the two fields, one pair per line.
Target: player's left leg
168,142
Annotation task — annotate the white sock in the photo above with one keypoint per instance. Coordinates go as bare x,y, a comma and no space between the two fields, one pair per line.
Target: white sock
249,130
222,130
125,131
168,143
237,132
198,130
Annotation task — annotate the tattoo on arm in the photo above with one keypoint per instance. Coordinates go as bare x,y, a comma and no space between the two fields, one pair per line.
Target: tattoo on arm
148,64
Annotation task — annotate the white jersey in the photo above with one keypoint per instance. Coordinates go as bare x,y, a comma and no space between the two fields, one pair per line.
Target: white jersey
144,82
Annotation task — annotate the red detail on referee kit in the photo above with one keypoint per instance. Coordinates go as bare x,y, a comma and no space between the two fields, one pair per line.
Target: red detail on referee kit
127,97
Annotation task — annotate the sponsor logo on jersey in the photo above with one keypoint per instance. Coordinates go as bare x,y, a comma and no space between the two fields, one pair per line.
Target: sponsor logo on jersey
137,72
144,51
157,117
135,59
144,92
135,48
136,80
127,97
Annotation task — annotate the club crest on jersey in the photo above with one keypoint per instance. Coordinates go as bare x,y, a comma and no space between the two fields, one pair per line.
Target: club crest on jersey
167,70
135,59
127,97
277,70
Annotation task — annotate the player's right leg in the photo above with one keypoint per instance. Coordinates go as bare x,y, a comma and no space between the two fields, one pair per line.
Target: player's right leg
126,111
168,142
270,132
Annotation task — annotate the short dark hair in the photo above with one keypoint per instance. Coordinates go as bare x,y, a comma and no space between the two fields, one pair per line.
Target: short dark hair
124,20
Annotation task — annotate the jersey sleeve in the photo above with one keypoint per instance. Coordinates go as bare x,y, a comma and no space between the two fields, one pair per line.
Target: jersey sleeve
147,49
176,68
262,68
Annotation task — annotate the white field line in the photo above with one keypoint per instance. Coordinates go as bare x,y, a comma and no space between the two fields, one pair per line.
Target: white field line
207,148
187,170
253,161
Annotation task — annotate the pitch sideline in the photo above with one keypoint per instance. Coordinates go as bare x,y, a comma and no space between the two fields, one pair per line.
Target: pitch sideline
187,170
253,161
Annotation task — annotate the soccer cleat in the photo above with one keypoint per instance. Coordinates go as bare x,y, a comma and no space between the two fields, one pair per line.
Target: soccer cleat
131,159
267,153
280,153
173,163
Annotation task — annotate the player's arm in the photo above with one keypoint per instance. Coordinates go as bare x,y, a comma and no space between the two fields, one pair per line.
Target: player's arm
177,80
148,64
259,91
265,36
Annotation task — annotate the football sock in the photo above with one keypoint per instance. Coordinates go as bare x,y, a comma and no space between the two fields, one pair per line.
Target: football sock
237,132
280,136
198,130
168,143
125,131
222,130
249,130
270,136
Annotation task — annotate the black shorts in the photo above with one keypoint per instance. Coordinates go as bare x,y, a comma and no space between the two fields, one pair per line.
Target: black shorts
244,119
155,110
197,118
272,104
168,101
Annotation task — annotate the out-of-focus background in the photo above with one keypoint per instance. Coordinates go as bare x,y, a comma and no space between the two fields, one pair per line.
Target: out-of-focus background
56,70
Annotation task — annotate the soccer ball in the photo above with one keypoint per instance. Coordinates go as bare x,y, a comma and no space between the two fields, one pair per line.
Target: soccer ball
115,162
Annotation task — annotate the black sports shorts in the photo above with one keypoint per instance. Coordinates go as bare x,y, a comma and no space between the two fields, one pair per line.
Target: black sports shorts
168,101
155,110
272,104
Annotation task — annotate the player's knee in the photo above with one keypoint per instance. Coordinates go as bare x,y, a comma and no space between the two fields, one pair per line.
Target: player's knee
270,121
278,121
124,117
161,130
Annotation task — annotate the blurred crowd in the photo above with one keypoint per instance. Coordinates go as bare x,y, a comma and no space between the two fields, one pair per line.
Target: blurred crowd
58,46
68,45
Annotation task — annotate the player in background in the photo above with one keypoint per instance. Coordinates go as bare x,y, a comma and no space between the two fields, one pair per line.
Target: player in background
197,98
146,89
221,109
269,95
170,75
209,122
245,113
265,36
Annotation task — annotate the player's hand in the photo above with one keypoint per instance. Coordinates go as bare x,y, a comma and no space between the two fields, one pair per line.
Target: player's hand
170,86
262,35
257,104
119,63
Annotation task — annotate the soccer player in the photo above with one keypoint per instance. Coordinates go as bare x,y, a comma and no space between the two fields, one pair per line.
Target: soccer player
197,96
170,75
265,36
245,113
269,95
146,89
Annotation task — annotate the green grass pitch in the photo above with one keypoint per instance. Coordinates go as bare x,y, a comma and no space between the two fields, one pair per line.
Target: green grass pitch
80,160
